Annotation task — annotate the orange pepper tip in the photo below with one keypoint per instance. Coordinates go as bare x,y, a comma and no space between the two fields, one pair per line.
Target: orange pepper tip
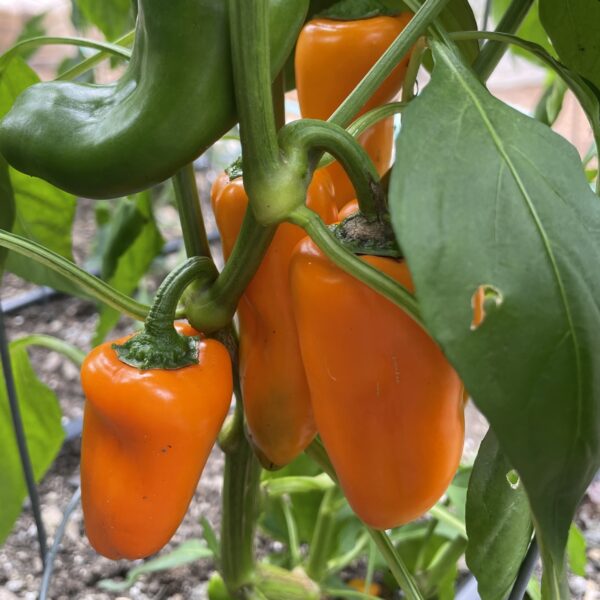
373,589
265,462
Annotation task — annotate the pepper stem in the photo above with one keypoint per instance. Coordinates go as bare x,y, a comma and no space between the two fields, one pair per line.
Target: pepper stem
311,136
159,345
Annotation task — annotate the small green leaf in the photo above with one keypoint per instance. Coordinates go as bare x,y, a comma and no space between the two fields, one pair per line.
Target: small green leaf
457,491
576,551
133,242
550,104
41,417
186,553
211,538
447,587
572,25
112,17
498,522
123,228
305,506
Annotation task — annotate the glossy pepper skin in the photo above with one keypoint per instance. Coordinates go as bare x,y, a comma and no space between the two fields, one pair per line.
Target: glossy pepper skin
175,99
276,397
387,404
331,58
146,438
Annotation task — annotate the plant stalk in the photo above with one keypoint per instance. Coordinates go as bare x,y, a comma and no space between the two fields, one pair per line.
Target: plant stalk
190,212
493,51
92,286
388,61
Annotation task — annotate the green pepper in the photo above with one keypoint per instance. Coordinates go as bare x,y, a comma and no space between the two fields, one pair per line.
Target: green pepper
175,99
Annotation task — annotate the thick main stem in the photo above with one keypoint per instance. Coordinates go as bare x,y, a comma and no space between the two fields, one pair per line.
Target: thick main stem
493,51
190,213
240,512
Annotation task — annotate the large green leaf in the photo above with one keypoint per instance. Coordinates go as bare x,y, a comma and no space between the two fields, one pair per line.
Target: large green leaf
132,242
572,25
498,522
485,198
42,424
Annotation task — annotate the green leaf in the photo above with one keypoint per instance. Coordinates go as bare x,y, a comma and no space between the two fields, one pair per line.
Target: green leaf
572,25
117,232
447,587
7,206
458,16
133,242
457,491
576,551
43,213
305,506
16,77
41,417
186,553
112,17
211,537
484,198
498,522
533,589
550,104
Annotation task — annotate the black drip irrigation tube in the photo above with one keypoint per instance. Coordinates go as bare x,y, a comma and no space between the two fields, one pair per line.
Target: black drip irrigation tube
15,412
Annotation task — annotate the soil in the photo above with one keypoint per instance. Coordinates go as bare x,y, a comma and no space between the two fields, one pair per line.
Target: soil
78,568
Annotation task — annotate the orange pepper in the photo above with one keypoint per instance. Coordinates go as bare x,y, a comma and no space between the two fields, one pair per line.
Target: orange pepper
374,589
331,58
146,438
276,397
387,403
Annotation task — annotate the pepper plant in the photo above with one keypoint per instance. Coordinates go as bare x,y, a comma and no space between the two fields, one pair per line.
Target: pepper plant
472,261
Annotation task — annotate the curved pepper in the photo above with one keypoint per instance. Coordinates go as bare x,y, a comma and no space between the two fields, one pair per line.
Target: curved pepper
331,58
387,404
276,397
174,100
146,438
